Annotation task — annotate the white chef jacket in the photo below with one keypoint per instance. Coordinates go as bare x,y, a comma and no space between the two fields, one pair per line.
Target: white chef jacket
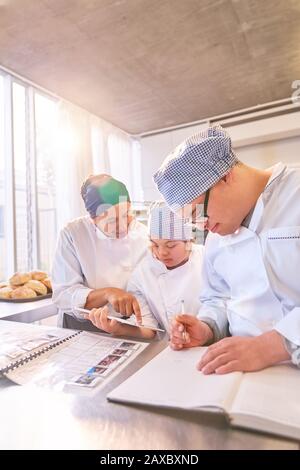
160,291
251,278
86,259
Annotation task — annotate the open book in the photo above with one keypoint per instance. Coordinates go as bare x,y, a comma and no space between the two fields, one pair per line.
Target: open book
267,400
60,358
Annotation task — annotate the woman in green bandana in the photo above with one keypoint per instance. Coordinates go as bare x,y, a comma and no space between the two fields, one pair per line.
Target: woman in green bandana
96,254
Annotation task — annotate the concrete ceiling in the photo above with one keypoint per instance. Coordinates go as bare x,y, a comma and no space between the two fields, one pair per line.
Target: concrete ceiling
149,64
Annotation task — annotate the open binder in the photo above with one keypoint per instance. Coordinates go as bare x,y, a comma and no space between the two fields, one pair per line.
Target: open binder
59,358
36,352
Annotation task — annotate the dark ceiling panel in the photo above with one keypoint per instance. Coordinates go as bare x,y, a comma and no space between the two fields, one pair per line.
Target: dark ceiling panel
149,64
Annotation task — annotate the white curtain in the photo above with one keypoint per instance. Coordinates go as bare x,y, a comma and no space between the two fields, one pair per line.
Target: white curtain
100,131
136,164
87,144
74,162
125,165
115,152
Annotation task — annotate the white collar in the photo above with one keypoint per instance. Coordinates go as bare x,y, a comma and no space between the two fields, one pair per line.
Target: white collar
243,232
160,268
277,171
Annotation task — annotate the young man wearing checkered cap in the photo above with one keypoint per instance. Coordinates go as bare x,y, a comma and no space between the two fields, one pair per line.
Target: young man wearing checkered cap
251,294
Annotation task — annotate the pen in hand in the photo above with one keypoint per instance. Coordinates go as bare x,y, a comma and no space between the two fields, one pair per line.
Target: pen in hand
184,333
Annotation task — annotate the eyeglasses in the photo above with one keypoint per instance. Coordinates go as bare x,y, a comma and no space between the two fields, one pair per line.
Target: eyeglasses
205,214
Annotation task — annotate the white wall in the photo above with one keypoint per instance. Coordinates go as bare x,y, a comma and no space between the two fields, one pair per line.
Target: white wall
268,153
154,149
259,143
263,143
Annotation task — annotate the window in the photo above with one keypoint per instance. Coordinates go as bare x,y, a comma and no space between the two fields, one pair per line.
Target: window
2,170
28,228
39,191
45,127
20,176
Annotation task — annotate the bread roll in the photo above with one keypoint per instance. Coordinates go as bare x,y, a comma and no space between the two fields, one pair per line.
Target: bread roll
37,286
18,279
23,293
47,283
38,275
5,292
4,284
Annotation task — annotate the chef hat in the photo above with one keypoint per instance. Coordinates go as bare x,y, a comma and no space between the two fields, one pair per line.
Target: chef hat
100,192
164,224
195,166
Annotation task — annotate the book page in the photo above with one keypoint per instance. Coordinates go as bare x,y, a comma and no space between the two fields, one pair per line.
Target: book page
172,380
87,360
271,394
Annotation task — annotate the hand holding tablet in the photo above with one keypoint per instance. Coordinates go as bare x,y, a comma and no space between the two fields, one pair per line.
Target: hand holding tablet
121,319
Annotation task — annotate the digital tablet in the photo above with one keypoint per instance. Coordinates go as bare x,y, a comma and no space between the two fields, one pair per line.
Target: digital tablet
121,318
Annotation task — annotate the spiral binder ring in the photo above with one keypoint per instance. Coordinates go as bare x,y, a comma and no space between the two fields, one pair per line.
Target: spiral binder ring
29,357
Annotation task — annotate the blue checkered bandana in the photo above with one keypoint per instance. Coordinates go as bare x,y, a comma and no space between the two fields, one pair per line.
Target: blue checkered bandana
195,166
165,225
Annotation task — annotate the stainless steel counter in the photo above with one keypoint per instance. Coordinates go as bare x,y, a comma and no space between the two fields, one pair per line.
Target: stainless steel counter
27,312
41,419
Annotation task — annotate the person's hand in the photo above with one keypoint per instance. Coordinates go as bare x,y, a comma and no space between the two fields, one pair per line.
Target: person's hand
98,316
124,303
188,331
243,354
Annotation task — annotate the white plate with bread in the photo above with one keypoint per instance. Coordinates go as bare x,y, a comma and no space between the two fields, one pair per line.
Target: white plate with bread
26,287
